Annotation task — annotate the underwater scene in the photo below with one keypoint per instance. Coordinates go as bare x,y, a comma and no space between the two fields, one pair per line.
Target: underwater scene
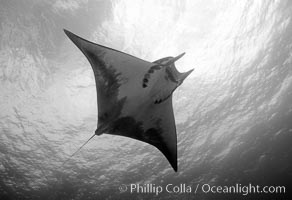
233,113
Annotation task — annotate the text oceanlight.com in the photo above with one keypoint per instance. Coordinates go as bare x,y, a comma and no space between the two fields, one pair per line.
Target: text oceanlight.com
201,188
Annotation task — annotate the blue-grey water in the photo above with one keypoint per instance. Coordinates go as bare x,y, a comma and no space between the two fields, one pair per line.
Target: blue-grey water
233,114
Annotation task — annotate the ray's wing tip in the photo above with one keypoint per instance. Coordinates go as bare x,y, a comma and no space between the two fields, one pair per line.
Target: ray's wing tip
175,167
75,39
68,33
173,163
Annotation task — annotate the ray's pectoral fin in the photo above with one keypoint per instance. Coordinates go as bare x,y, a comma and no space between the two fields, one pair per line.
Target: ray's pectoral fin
114,77
107,78
156,127
162,132
166,130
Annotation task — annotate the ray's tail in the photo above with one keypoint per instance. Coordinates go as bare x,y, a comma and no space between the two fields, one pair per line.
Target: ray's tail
77,150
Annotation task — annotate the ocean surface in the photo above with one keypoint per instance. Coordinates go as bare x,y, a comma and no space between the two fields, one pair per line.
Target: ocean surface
233,113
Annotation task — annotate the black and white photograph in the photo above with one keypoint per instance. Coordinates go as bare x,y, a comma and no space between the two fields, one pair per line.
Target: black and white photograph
145,99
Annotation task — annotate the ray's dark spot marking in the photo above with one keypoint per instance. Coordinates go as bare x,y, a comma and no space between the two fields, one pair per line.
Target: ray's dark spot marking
158,101
144,85
106,76
129,127
153,68
107,88
156,67
150,71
